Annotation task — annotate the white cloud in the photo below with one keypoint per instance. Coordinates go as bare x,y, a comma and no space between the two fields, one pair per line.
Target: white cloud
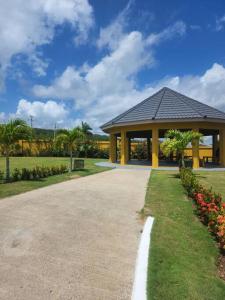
2,117
208,88
113,78
195,27
220,23
45,114
111,35
25,25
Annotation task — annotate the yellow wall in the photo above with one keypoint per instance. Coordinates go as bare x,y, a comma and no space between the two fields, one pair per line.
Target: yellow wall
203,150
34,147
104,145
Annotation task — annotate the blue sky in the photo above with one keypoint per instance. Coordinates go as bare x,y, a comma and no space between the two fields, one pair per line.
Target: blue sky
67,61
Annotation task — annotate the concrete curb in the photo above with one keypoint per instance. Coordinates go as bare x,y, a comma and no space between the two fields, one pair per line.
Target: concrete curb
141,270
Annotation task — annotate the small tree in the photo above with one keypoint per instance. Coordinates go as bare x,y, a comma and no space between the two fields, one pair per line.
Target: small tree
69,139
10,134
177,140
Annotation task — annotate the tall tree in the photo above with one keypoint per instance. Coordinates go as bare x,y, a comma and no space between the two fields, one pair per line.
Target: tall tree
177,141
87,135
69,139
86,129
10,134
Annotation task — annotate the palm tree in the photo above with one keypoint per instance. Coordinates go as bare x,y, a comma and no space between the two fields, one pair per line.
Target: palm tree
86,129
87,134
10,134
69,139
177,140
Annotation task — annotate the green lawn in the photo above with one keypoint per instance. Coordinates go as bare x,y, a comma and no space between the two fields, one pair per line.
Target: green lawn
29,162
182,264
216,180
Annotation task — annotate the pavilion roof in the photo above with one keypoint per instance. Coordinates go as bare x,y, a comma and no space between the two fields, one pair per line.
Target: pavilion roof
167,105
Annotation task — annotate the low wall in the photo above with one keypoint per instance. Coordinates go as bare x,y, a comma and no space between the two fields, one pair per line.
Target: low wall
35,147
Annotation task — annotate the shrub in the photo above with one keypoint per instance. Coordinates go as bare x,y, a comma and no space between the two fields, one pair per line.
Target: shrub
1,176
16,174
209,205
188,180
25,174
36,173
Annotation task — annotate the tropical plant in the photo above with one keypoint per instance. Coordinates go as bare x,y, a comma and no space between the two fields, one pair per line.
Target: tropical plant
69,139
10,134
86,129
177,141
208,205
87,135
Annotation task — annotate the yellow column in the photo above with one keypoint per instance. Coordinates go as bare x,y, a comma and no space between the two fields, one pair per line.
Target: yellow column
112,148
155,148
195,152
222,147
214,144
123,148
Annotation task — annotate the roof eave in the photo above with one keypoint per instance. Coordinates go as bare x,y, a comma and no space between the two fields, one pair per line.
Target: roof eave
113,125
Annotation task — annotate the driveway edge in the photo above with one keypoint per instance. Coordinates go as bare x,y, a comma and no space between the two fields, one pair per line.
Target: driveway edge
141,270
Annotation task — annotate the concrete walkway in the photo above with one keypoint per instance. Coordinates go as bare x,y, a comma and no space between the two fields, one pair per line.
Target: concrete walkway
136,166
73,240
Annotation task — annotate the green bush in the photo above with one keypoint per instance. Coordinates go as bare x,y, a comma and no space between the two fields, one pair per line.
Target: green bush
25,174
16,174
1,176
35,173
188,180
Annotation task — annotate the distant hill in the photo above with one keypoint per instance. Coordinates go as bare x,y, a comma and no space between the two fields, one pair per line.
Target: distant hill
100,137
41,133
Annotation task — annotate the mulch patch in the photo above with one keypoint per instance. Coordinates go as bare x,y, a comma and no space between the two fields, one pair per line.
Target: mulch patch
221,266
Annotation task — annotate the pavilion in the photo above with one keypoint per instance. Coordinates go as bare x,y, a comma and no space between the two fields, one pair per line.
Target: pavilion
166,109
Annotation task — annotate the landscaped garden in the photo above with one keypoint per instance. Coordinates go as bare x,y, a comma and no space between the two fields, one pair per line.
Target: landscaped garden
21,174
183,262
13,188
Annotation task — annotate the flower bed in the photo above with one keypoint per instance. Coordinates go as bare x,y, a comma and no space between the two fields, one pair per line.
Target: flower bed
209,205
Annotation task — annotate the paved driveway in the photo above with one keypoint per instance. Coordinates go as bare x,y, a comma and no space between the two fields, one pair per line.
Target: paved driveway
74,240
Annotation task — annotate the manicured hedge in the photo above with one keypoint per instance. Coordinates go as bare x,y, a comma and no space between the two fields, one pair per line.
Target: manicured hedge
209,205
34,173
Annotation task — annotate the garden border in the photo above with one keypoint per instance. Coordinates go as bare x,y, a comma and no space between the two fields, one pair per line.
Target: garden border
141,270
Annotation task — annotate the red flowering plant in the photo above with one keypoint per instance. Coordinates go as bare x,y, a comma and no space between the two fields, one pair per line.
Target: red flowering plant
209,205
220,227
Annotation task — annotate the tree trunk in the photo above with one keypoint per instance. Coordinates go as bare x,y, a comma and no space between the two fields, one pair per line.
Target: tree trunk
71,160
182,159
7,167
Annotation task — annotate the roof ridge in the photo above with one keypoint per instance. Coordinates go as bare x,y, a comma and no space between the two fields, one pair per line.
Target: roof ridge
134,107
175,94
164,90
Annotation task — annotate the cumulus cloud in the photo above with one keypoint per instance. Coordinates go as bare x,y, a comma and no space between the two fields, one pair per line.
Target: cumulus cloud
208,88
25,25
113,77
2,117
111,35
45,114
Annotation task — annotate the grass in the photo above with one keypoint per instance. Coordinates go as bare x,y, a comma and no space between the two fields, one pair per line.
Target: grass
215,180
182,264
18,187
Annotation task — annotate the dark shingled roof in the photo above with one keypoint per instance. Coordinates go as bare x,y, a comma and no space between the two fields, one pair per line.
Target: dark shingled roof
167,104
